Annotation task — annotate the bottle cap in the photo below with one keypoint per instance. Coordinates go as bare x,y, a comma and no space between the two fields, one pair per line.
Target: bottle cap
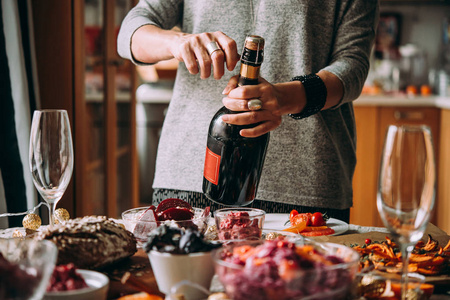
254,42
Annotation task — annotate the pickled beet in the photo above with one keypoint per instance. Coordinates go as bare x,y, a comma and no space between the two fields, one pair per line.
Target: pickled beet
176,213
65,278
172,203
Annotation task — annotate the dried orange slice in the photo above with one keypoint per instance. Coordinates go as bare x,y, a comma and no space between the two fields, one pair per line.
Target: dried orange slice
140,296
299,227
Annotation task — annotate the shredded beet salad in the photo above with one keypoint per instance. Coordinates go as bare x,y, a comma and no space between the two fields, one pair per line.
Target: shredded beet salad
238,225
281,270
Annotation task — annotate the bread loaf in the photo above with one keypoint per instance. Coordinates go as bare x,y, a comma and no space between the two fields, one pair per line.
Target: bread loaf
90,242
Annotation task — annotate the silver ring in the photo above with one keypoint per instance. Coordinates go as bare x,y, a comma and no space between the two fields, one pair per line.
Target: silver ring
212,47
254,104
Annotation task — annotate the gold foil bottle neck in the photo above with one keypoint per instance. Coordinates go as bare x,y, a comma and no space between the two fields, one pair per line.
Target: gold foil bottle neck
254,42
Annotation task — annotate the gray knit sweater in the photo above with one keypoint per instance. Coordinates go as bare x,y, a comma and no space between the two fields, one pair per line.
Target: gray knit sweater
309,162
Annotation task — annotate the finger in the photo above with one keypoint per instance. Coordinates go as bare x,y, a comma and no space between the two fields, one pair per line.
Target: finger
235,104
189,58
258,130
229,48
232,84
247,117
245,92
218,59
204,61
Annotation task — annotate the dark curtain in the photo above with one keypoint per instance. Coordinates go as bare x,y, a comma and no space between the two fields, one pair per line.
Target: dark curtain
11,165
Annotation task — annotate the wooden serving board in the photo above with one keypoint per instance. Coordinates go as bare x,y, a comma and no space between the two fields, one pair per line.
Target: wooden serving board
359,238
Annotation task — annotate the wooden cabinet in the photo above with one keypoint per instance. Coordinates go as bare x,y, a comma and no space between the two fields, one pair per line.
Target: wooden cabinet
79,70
364,210
371,125
443,192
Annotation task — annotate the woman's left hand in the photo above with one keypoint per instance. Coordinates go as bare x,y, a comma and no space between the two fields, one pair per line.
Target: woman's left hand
267,118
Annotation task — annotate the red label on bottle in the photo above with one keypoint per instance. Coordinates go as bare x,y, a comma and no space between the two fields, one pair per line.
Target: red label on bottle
212,165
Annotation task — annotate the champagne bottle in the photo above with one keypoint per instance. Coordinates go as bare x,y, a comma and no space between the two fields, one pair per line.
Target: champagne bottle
233,163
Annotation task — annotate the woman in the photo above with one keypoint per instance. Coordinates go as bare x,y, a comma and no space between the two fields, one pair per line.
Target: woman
311,156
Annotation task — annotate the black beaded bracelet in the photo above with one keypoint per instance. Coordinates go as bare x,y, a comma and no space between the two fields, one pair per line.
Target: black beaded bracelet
316,95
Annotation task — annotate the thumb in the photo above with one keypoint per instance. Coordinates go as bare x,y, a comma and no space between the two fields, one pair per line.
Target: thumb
232,84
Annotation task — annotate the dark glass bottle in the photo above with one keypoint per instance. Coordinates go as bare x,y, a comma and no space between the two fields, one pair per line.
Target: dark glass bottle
233,163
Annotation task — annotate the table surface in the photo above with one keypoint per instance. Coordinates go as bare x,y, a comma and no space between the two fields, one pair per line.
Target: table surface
139,264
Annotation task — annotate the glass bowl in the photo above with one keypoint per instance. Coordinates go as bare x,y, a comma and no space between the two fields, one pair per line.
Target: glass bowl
239,223
25,267
282,273
131,217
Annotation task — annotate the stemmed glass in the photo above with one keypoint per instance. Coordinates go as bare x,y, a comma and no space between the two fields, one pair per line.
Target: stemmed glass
51,155
406,188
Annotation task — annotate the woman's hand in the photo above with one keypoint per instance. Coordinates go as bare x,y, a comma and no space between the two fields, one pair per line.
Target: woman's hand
277,100
192,50
151,44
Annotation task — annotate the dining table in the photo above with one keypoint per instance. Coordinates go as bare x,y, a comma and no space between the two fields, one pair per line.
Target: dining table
137,274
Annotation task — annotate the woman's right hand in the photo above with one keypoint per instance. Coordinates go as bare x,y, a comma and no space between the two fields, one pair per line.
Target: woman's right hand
192,50
151,44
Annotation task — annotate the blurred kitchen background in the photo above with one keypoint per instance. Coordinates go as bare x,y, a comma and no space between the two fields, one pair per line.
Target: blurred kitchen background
117,110
412,51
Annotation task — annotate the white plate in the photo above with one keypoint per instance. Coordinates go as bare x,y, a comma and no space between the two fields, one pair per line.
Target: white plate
276,221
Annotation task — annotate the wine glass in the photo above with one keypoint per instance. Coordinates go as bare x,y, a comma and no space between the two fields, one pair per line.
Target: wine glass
51,155
406,188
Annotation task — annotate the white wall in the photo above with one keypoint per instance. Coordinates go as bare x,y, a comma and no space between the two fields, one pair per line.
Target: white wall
422,25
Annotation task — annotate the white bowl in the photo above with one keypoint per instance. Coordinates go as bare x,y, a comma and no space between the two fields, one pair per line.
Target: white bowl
183,271
98,288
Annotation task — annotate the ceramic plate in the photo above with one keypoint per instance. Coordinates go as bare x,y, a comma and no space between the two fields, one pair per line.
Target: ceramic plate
276,221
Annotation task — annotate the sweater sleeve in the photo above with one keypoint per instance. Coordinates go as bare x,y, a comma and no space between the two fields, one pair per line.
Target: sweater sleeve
354,38
164,14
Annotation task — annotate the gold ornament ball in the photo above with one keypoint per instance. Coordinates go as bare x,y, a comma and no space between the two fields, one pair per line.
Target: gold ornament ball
31,221
60,214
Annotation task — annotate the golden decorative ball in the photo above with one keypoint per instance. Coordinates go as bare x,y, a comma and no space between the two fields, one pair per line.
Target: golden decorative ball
31,221
60,215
